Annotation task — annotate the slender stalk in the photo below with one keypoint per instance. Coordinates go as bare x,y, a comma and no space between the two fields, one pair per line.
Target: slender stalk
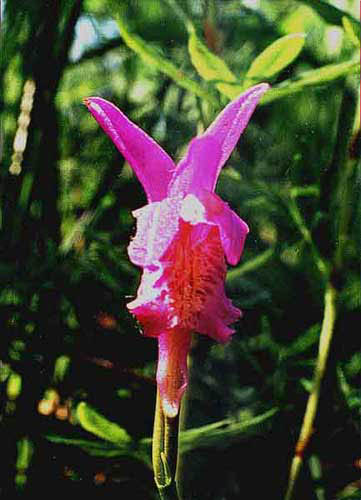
179,477
164,452
343,167
345,210
327,330
183,416
298,219
177,9
250,265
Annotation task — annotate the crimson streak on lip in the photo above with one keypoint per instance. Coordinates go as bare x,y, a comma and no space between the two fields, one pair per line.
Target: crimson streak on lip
184,236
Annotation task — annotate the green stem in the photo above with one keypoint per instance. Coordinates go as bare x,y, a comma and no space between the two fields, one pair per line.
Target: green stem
183,416
302,227
164,452
345,188
343,167
250,265
177,9
312,404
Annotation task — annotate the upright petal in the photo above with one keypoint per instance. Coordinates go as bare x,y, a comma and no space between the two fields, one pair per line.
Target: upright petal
231,122
152,165
198,169
172,371
207,154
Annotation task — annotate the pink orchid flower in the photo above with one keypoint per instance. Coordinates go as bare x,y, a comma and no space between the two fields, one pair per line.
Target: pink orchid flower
184,235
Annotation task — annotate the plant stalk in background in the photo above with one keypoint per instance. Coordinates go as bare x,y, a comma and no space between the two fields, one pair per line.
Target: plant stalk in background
327,330
344,166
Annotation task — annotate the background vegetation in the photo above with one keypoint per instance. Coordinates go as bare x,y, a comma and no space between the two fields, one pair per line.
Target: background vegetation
72,358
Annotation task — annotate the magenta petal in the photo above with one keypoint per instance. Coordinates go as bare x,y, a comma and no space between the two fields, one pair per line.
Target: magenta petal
231,122
157,224
217,315
172,371
152,165
232,229
198,169
151,307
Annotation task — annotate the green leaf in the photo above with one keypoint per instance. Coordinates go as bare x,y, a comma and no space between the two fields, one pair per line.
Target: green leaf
312,190
13,387
97,448
224,433
98,425
250,265
25,450
208,65
94,448
156,60
61,366
301,19
332,14
274,58
320,76
351,31
306,384
219,434
303,342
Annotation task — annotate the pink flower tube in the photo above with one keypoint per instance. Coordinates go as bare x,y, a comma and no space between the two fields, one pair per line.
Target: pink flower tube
184,236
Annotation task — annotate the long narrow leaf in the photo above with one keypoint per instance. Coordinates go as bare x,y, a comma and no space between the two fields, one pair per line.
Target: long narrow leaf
98,425
219,434
94,448
274,58
250,265
321,76
224,434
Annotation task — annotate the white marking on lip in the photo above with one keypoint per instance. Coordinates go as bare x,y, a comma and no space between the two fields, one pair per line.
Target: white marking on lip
192,210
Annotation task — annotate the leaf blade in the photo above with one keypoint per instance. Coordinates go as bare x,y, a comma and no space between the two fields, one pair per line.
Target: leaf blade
208,65
320,76
97,424
275,57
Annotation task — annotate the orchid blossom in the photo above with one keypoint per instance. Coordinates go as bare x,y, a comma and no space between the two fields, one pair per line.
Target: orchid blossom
184,236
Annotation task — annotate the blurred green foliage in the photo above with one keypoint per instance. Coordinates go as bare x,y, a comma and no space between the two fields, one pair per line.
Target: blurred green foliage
72,360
